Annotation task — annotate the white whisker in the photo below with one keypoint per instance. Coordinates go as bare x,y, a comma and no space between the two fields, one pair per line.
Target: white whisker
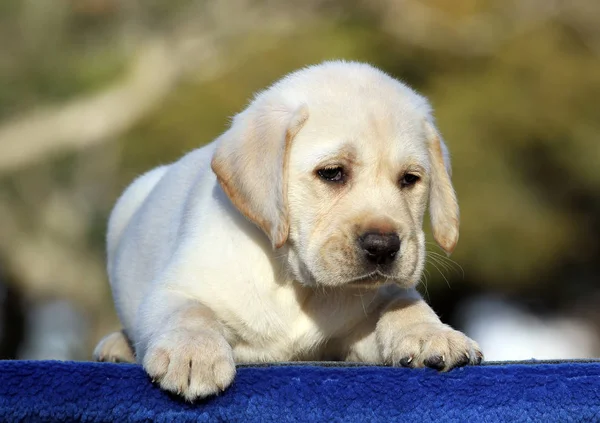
441,273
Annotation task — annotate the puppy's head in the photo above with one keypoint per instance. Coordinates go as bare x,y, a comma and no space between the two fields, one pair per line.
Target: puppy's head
337,163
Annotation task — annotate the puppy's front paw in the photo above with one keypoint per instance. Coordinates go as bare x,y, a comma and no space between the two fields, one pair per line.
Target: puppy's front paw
192,364
432,345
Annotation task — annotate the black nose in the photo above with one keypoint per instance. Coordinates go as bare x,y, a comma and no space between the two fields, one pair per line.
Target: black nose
380,248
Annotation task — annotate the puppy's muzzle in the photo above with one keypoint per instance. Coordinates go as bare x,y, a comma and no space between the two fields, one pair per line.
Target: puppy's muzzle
379,249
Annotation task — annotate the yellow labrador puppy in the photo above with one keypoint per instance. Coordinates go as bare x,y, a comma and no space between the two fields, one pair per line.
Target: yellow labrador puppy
296,235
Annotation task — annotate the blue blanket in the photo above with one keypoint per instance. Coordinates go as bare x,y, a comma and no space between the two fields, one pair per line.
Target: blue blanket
94,392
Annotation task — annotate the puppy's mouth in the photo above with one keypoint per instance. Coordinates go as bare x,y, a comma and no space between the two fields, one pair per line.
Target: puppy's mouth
371,279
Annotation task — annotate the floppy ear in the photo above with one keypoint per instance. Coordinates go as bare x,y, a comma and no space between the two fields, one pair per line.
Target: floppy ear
250,162
443,205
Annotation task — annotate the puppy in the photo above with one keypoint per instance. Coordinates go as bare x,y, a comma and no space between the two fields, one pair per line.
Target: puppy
296,235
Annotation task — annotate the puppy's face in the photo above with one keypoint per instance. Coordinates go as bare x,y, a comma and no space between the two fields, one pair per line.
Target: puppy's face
337,162
357,192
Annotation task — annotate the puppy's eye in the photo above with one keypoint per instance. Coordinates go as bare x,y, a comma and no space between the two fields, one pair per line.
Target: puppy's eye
332,174
409,179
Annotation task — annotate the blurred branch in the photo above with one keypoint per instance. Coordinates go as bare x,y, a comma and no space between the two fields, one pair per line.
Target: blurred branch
159,66
90,120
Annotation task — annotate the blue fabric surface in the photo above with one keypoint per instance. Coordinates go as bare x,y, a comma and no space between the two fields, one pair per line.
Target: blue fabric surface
100,392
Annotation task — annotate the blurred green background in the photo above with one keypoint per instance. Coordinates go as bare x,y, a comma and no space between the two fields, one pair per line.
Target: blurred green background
95,92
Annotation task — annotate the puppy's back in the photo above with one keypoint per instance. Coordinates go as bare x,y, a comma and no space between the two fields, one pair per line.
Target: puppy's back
129,202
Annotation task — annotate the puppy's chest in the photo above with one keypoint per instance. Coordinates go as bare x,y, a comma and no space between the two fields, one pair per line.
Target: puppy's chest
285,328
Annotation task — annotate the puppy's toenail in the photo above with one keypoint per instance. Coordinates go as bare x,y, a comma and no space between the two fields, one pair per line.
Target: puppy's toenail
436,362
479,357
406,361
463,361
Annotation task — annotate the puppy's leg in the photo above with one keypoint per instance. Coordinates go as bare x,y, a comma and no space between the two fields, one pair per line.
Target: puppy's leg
182,346
408,333
115,348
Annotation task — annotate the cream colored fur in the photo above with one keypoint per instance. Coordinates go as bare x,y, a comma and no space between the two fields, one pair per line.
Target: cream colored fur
239,252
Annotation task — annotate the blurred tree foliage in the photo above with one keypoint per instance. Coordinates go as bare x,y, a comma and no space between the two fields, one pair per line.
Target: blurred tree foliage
50,53
514,85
